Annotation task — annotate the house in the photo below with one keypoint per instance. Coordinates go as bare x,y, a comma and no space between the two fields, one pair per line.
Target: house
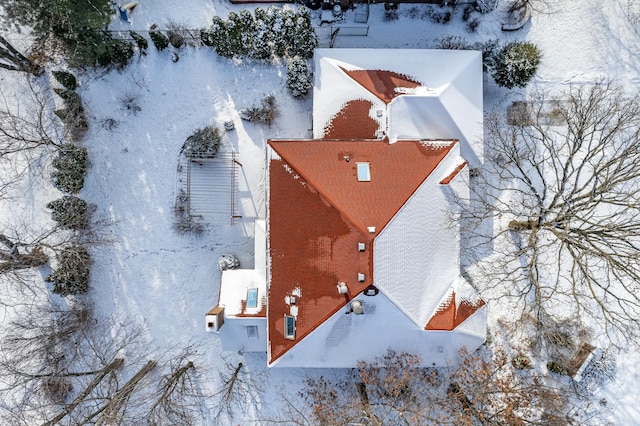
358,252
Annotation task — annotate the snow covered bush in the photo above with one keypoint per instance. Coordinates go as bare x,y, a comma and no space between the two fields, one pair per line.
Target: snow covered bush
184,223
266,113
65,78
485,6
114,52
70,168
515,64
70,212
203,143
160,41
141,42
521,362
279,32
72,115
72,274
298,81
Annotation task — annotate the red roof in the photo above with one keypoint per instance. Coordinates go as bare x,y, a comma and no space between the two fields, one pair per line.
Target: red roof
352,122
448,316
319,212
381,83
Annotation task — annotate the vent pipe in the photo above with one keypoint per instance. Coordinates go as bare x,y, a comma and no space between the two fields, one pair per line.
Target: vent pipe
356,307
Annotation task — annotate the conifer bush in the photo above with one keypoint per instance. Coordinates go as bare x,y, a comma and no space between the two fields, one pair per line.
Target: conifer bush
298,81
70,212
275,32
515,64
72,274
203,143
70,168
141,42
65,78
160,41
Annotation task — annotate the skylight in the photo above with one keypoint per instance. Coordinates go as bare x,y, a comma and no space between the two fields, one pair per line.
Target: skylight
364,173
289,327
252,298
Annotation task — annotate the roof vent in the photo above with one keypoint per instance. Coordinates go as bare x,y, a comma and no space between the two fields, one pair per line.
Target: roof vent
379,113
371,229
342,287
361,246
360,277
346,158
356,307
380,134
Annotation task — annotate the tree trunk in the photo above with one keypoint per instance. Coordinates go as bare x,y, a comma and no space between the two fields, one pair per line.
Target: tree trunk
12,60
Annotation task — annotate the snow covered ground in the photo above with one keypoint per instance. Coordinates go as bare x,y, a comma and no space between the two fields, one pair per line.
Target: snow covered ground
140,117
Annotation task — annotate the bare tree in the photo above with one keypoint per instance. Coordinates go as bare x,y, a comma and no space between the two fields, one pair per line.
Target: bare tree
60,366
560,187
11,59
484,389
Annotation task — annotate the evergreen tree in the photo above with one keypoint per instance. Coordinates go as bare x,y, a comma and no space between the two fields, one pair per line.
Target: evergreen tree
304,40
515,64
79,24
70,168
298,81
219,37
70,212
262,33
203,143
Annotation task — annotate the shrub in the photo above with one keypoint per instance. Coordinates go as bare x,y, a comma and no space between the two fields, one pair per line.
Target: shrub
203,143
298,81
65,78
67,95
275,32
116,52
70,212
141,42
185,223
70,168
521,362
266,113
160,41
72,115
515,64
390,15
488,49
554,367
485,6
175,39
72,274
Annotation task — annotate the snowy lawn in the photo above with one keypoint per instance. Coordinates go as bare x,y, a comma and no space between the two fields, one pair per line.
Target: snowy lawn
139,118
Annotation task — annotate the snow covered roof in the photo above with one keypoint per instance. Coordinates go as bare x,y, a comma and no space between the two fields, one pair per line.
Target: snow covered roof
365,207
243,292
408,93
318,213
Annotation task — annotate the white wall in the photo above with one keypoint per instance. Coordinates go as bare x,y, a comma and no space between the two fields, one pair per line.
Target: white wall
233,335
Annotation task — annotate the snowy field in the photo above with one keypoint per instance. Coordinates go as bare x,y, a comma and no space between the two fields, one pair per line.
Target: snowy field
139,117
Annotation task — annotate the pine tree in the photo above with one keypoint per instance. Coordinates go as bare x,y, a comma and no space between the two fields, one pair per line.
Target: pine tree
262,34
298,81
515,64
305,39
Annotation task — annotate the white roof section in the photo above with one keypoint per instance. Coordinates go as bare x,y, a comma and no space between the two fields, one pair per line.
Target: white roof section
236,283
344,339
416,256
447,105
